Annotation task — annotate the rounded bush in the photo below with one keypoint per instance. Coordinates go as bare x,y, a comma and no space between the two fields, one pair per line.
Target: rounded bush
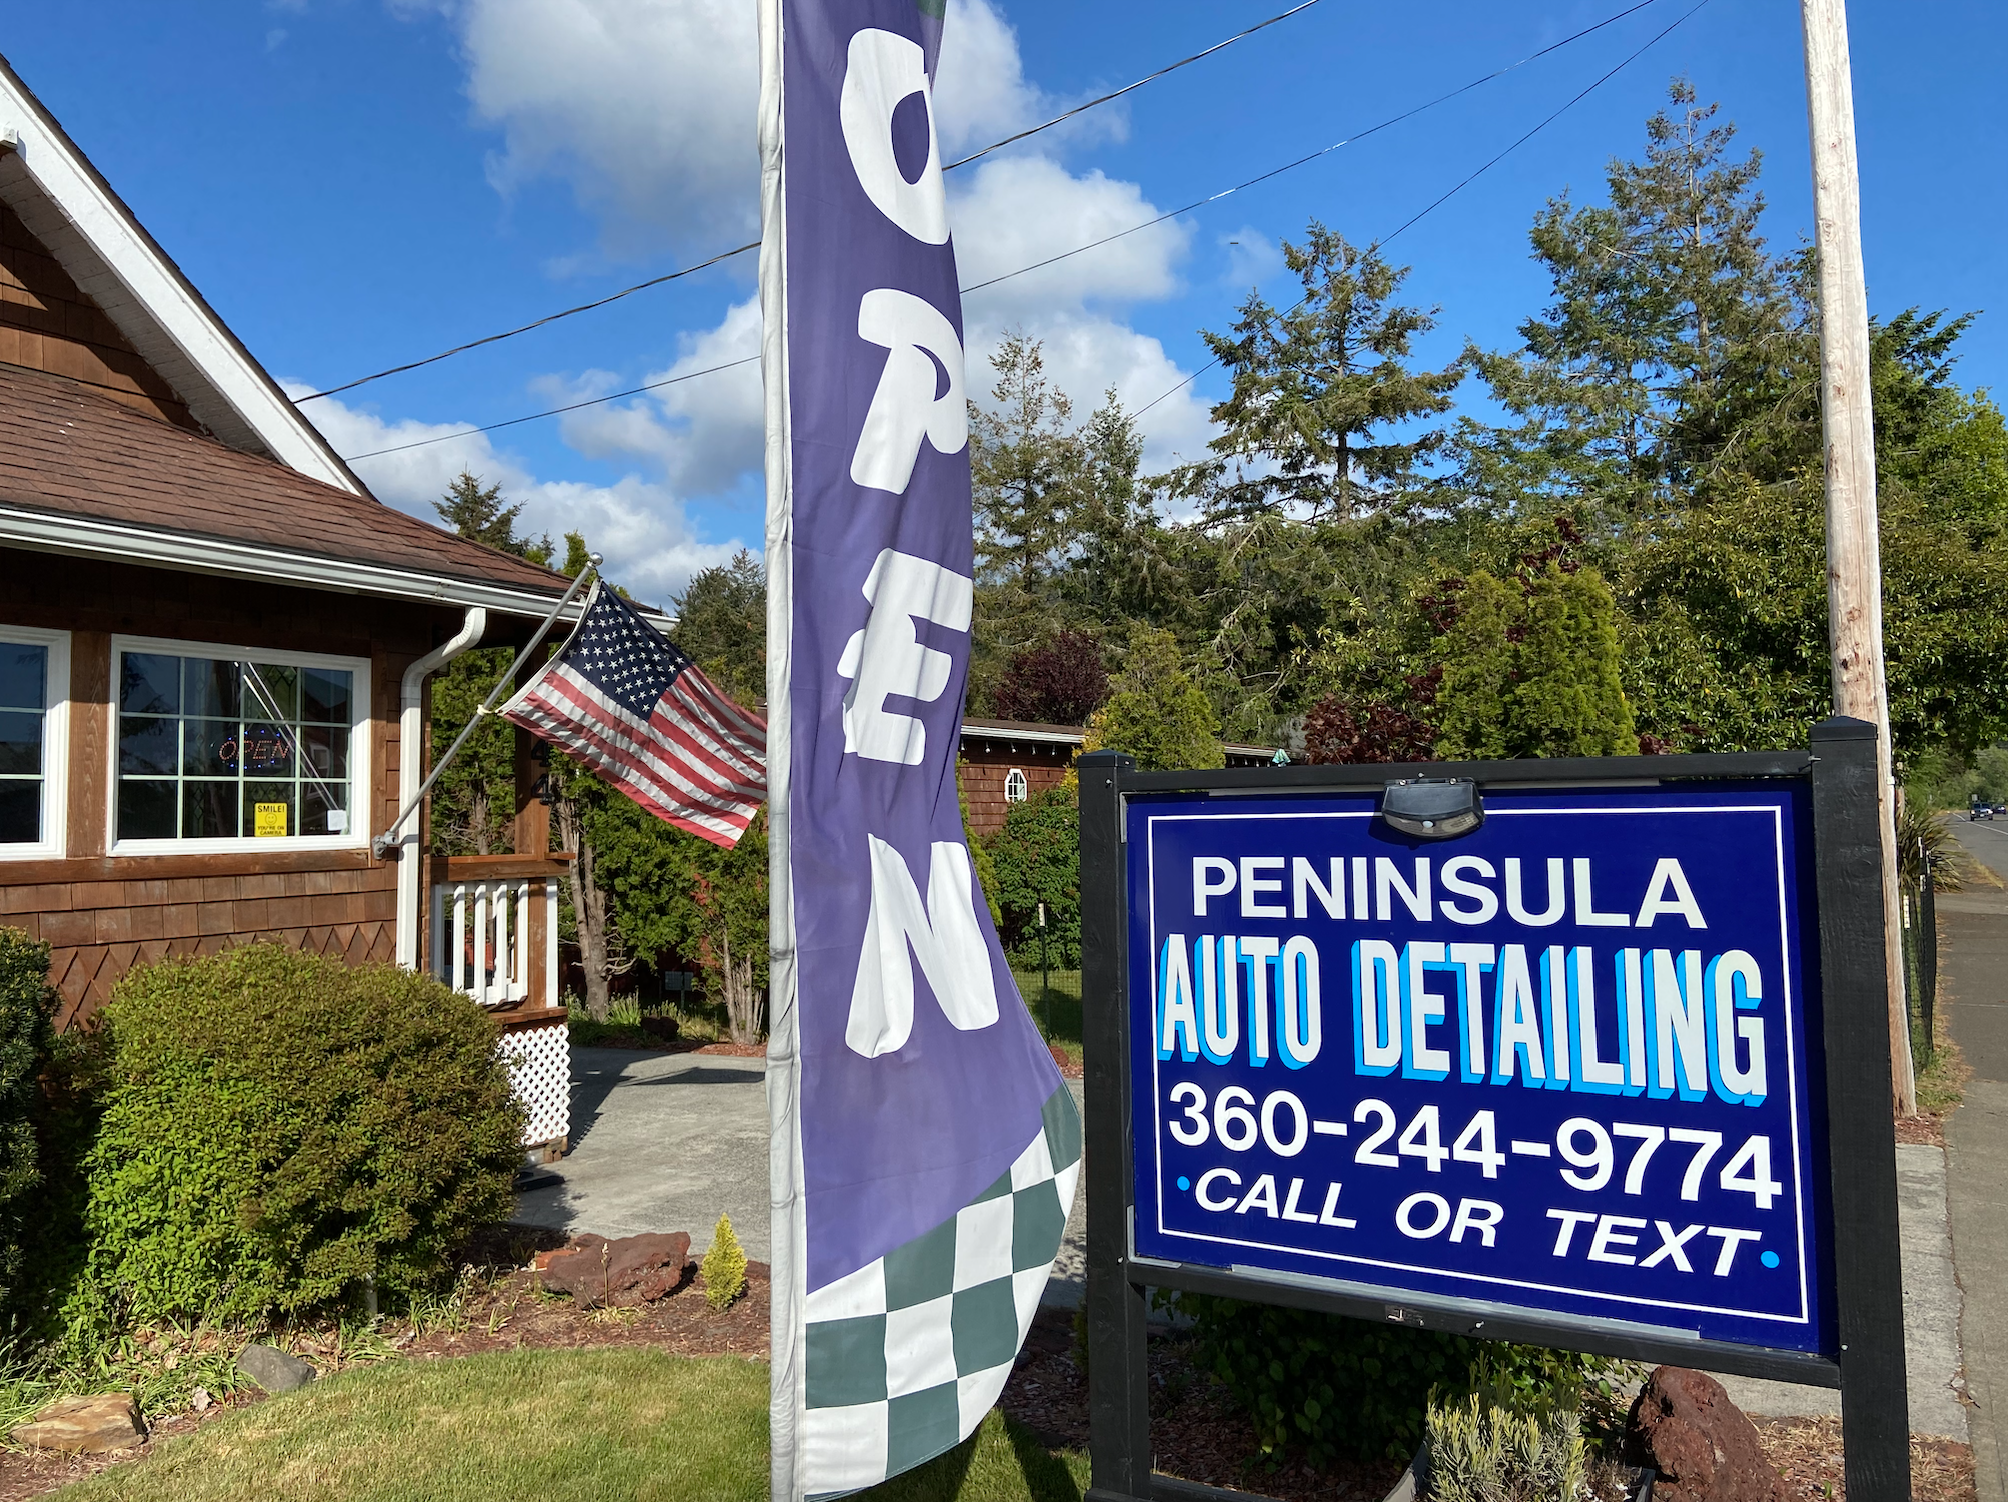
280,1127
27,1001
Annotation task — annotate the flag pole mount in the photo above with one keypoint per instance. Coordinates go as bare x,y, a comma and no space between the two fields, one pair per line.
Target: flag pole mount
385,845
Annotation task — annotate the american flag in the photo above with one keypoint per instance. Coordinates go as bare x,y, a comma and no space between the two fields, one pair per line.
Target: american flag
621,698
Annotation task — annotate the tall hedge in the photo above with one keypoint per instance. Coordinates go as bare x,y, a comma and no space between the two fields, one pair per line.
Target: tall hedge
279,1127
27,1002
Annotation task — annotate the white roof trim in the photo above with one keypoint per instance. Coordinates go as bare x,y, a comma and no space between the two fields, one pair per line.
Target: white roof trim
51,532
977,730
67,205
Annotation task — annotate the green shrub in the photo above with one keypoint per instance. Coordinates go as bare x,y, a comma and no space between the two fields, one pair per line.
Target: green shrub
724,1266
27,1001
279,1128
1037,858
1324,1385
1497,1447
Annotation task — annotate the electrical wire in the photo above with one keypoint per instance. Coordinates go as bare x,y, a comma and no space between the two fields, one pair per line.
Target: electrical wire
1438,202
1126,88
1320,152
612,396
1251,182
740,250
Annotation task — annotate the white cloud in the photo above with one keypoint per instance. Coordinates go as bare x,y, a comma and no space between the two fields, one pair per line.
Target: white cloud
645,107
1018,211
705,431
638,524
1252,258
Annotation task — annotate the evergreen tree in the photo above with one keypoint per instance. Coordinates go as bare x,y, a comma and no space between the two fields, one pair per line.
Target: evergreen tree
1566,696
1157,713
1025,460
1319,389
1478,665
721,622
1671,330
474,801
476,512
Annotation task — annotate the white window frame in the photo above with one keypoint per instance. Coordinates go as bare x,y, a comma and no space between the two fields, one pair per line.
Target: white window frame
1024,785
360,784
55,744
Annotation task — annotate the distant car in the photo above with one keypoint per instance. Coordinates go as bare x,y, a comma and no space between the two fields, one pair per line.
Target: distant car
1981,811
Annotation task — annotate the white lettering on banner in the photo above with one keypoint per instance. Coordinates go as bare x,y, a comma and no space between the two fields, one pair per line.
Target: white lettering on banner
883,70
909,404
886,659
944,936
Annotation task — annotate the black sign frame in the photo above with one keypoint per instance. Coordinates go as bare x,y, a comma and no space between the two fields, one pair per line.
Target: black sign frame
1867,1271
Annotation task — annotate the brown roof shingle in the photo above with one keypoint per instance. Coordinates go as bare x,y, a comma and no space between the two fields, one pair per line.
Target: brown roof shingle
67,449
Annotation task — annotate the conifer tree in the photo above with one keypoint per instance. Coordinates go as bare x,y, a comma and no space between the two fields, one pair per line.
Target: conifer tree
1321,389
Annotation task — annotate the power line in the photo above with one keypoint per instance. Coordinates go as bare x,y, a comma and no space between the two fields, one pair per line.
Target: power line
1320,152
1437,203
1264,177
1126,88
594,401
740,250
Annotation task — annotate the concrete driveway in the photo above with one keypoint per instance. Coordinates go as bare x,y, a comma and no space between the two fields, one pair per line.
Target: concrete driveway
660,1142
669,1142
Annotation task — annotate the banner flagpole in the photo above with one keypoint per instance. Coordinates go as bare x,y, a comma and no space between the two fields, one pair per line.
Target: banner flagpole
787,1232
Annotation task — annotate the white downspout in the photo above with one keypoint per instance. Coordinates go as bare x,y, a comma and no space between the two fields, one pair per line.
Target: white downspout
411,773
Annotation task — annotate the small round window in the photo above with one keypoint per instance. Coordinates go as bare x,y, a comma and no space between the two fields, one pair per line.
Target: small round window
1015,787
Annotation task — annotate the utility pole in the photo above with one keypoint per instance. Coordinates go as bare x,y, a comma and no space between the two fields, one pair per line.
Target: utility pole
1854,549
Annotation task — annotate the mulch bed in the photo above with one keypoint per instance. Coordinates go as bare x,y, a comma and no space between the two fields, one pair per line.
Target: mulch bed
1807,1453
1196,1433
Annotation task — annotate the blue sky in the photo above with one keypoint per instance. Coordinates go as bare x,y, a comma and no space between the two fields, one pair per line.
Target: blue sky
354,183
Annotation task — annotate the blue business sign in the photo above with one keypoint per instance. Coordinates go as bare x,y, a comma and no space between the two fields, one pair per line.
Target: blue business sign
1566,1065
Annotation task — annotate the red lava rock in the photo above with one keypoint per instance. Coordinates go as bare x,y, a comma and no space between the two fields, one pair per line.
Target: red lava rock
632,1270
1703,1446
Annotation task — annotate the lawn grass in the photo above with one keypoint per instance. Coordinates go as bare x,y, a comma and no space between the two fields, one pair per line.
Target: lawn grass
557,1425
1063,992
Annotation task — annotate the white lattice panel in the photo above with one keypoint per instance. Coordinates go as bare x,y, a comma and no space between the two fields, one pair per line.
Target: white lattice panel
540,1068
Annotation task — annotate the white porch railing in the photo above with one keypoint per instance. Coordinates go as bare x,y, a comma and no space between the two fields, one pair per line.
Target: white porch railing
496,938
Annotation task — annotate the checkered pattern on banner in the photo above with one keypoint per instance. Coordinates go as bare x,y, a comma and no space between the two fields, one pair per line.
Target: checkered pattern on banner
906,1355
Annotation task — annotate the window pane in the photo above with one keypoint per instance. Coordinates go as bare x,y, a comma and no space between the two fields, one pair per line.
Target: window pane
326,753
212,687
148,745
265,750
21,812
146,810
271,692
149,684
209,748
325,695
23,673
208,810
268,809
323,808
20,743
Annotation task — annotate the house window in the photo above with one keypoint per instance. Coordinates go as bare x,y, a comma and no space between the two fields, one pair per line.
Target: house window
34,695
1015,787
236,746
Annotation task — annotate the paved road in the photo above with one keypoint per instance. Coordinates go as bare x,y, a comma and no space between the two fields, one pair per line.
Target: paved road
1975,931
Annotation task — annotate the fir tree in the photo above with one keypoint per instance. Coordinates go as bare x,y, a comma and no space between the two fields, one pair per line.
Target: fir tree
1321,389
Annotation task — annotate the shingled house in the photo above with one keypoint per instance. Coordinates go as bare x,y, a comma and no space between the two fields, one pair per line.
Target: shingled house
214,643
